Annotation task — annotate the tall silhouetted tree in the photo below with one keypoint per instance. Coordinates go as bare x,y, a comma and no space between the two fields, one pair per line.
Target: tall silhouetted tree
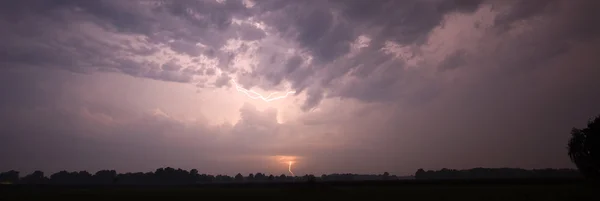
584,149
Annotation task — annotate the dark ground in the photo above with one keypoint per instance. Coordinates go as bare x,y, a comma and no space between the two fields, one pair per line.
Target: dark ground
462,190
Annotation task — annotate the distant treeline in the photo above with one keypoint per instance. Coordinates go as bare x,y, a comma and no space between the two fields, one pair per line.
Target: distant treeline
171,176
496,173
167,176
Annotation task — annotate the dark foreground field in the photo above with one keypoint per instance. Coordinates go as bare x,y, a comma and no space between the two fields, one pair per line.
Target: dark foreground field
513,190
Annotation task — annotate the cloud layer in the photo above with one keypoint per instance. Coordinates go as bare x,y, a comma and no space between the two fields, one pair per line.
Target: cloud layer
400,84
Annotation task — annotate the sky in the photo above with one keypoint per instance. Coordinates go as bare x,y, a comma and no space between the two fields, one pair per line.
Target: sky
375,85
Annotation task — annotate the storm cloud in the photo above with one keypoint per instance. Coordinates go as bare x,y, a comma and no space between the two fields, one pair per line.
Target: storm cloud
380,85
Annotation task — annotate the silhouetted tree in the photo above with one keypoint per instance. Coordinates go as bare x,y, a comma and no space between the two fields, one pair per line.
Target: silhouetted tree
282,177
239,177
64,177
260,177
420,173
105,177
225,178
309,178
206,178
83,177
37,177
194,176
584,149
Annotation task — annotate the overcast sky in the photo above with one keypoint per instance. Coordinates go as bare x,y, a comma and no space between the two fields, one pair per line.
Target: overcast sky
380,85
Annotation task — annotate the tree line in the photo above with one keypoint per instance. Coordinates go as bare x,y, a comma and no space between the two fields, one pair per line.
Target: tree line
496,173
171,176
166,176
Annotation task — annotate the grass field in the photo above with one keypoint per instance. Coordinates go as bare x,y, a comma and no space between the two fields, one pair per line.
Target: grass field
398,190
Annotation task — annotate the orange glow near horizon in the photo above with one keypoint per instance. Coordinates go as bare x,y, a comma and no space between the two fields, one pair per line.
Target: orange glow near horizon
289,161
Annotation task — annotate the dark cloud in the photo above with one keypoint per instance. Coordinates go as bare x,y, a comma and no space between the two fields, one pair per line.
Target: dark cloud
311,24
327,29
188,48
83,36
328,36
171,66
293,64
222,80
193,70
522,10
404,22
210,71
291,70
315,96
324,38
166,72
382,79
383,85
537,44
324,29
250,33
453,60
